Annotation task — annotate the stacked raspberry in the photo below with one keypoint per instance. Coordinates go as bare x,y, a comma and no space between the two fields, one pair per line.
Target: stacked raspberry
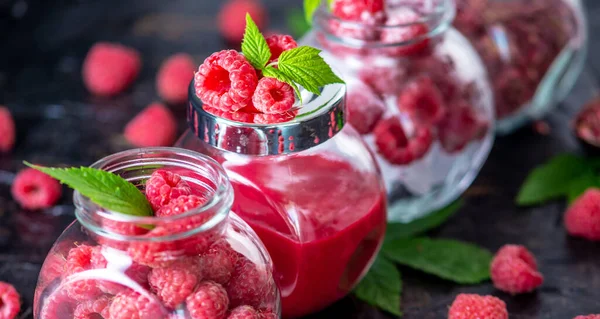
230,87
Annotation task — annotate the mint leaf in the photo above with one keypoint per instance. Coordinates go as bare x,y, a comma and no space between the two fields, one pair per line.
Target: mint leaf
272,72
254,46
382,286
579,185
552,180
452,260
106,189
306,67
310,6
419,226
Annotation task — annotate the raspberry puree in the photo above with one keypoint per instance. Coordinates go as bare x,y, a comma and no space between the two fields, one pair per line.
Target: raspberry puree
321,219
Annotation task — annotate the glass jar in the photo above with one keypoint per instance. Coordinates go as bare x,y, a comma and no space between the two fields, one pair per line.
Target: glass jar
110,265
419,95
534,50
310,189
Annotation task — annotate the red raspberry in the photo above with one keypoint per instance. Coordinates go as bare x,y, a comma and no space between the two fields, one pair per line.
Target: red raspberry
243,312
420,144
208,301
267,314
53,267
514,270
273,96
364,108
384,79
582,219
163,186
411,36
392,143
459,127
33,189
588,317
157,252
132,305
91,309
226,80
356,9
279,43
122,228
239,116
182,204
110,68
470,306
10,301
232,18
274,118
136,272
174,77
248,285
218,263
154,126
422,101
80,259
7,130
176,282
57,306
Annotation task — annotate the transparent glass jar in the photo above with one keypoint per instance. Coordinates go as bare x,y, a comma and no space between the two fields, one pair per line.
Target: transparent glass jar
419,95
110,265
310,189
534,50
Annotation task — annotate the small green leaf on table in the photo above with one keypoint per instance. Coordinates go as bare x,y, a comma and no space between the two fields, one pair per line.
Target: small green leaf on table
382,286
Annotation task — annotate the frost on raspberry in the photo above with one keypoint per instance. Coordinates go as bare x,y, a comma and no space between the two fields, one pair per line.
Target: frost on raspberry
243,312
422,101
7,130
248,285
383,80
404,30
174,283
154,126
164,186
33,189
91,309
391,141
460,126
132,305
470,306
226,80
110,68
79,260
10,301
278,43
514,270
364,108
354,10
174,77
273,96
208,301
582,218
218,263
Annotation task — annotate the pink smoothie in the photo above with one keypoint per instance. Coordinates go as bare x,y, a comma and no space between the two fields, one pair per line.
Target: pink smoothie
321,220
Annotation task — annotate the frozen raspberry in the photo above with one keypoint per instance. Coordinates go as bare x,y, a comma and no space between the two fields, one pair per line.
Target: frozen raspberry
356,9
7,130
279,43
110,68
154,126
57,306
422,101
91,309
273,96
384,79
582,218
588,317
174,78
132,305
10,301
470,306
218,263
364,108
164,186
180,205
274,118
79,259
459,127
420,144
176,282
33,189
392,143
232,18
514,270
248,285
208,301
403,30
243,312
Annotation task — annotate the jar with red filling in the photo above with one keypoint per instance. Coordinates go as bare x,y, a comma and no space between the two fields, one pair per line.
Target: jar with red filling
417,93
534,50
309,187
204,263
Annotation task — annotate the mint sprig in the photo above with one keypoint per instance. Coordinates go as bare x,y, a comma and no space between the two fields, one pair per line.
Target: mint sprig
106,189
382,286
254,46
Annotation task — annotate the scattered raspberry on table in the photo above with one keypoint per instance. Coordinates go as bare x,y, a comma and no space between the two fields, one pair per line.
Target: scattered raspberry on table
154,126
174,77
232,18
110,68
514,270
471,306
10,301
582,218
33,189
7,130
588,317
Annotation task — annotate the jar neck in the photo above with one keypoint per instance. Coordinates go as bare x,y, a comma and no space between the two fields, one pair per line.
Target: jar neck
205,176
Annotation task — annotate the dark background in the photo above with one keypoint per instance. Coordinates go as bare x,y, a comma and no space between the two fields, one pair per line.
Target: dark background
41,52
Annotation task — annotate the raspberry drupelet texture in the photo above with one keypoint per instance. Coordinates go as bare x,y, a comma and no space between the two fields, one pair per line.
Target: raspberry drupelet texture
174,77
582,218
278,43
174,283
274,118
7,130
132,305
157,253
588,317
232,18
110,68
422,101
357,9
154,126
218,263
273,96
91,309
57,306
121,228
403,29
10,301
267,314
208,301
180,205
78,260
470,306
226,80
460,126
243,312
514,270
33,189
248,285
391,141
164,186
364,108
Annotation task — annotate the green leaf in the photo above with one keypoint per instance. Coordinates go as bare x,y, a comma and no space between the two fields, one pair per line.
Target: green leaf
306,67
579,185
106,189
382,286
452,260
419,226
297,24
272,72
310,6
552,180
254,45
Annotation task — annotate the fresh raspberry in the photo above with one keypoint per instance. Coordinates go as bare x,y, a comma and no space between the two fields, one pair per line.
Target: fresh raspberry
422,101
163,186
180,205
232,18
91,309
391,141
173,284
33,189
364,108
53,267
243,312
514,270
273,96
57,306
239,116
582,219
121,228
78,260
356,9
110,68
226,80
279,43
132,305
155,253
208,301
420,144
384,79
471,306
588,317
403,30
267,314
7,130
174,77
154,126
218,263
10,301
459,126
136,272
248,285
274,118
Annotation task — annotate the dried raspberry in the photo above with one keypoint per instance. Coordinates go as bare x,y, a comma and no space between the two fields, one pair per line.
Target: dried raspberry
409,36
154,126
273,96
582,218
226,80
91,309
420,144
470,306
364,108
132,305
208,301
274,118
459,127
176,282
7,130
514,270
174,77
110,68
422,101
218,263
232,18
391,141
10,301
248,285
243,312
588,317
182,204
33,189
57,306
279,43
79,259
163,186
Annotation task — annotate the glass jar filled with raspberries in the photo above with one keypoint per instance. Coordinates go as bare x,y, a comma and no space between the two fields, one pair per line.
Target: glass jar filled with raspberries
534,50
155,239
417,93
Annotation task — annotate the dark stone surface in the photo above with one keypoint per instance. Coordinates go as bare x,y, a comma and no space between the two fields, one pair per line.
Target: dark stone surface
58,122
